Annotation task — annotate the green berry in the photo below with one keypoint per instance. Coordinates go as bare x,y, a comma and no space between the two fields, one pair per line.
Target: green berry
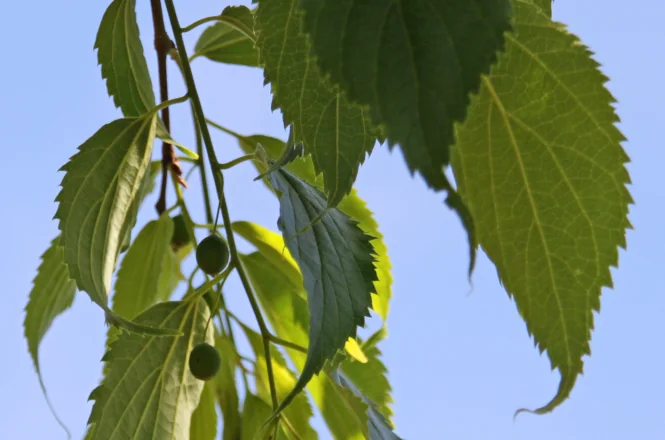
212,254
180,235
204,361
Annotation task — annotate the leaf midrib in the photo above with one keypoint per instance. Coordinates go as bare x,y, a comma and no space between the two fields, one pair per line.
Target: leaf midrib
140,353
537,222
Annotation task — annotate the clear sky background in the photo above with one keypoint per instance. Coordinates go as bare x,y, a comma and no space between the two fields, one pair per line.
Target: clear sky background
460,362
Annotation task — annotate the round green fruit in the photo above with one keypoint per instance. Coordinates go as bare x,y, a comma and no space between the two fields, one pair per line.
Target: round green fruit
180,235
212,254
204,361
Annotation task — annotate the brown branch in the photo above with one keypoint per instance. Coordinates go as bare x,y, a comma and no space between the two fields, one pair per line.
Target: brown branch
163,45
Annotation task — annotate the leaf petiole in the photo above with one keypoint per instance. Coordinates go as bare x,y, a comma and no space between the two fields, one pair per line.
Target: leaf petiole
234,162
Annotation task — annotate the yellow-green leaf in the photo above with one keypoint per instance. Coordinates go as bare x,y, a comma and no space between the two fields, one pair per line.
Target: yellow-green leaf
101,183
204,418
231,40
543,173
149,392
120,54
52,293
227,391
254,413
295,420
146,271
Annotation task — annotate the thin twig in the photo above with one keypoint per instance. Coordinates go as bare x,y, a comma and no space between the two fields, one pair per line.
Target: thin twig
218,178
162,46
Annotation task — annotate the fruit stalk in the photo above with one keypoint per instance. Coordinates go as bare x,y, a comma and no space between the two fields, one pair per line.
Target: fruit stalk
218,178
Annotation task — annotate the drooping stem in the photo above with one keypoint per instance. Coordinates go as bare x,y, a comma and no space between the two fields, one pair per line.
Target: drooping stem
218,178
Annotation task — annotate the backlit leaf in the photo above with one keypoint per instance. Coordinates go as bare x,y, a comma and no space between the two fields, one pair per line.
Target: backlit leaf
52,293
204,418
120,54
334,132
227,391
544,176
149,392
146,269
254,413
230,40
295,420
101,183
413,64
379,427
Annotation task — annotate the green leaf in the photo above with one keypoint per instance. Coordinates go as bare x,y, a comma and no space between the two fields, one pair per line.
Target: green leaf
120,54
227,391
101,183
379,427
336,260
147,272
545,5
231,40
149,392
371,378
204,418
352,205
413,64
334,132
254,413
285,305
543,174
295,420
52,293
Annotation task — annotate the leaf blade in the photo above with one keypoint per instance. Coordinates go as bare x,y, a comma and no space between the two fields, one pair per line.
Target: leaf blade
146,271
101,182
572,219
120,54
334,132
231,40
352,205
413,64
142,368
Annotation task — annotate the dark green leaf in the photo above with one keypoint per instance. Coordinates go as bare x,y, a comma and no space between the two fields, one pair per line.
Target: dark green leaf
149,392
227,392
254,413
101,183
543,173
379,427
352,205
296,418
285,305
336,260
204,418
230,40
120,54
146,271
333,131
414,64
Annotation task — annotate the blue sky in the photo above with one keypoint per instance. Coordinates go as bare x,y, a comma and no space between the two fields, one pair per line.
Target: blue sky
460,361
